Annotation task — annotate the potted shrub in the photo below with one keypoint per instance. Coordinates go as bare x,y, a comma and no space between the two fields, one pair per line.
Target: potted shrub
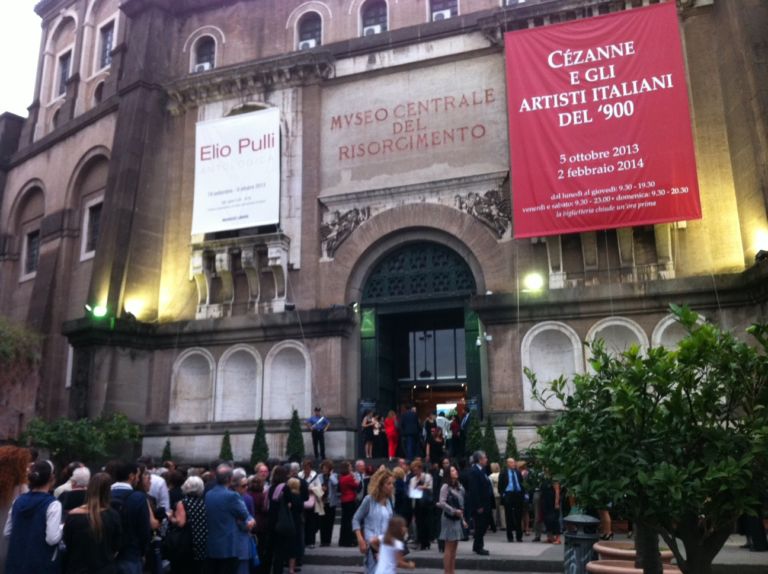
676,438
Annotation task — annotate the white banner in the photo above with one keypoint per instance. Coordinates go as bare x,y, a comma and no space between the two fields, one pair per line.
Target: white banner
237,172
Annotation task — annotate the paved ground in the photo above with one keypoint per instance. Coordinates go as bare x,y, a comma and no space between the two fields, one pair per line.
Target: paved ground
529,557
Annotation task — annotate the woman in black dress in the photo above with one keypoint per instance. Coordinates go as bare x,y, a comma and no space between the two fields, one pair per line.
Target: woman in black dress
550,508
92,531
190,514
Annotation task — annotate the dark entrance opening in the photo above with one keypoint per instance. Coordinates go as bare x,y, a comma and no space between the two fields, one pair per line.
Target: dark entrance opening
418,334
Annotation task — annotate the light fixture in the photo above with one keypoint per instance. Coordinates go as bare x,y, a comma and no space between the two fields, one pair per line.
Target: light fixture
290,306
761,256
478,342
88,308
100,311
533,282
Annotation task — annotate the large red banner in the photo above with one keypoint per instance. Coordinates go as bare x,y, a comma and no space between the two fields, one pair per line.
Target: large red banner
599,126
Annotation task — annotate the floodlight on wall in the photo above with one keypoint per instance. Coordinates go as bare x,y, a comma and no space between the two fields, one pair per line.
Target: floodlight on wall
761,256
290,306
533,282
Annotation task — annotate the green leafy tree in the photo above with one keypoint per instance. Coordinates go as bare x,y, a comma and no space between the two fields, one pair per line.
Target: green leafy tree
475,439
510,450
91,441
491,446
259,448
225,453
677,439
167,455
294,449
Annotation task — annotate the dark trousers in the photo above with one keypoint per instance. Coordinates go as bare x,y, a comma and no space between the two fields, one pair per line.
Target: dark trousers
326,525
423,512
346,536
221,566
481,525
411,444
310,526
318,443
513,513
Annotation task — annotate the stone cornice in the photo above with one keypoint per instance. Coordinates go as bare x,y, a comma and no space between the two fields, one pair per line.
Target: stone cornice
522,16
283,71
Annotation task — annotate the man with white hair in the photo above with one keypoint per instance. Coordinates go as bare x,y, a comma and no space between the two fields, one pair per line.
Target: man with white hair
225,511
158,488
75,496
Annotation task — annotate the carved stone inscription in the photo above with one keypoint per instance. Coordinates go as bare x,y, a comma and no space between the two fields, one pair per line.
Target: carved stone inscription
416,126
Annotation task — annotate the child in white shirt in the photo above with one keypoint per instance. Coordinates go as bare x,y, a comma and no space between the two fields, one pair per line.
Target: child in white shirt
391,555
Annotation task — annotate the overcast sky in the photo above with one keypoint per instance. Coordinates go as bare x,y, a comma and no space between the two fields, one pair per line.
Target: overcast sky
19,45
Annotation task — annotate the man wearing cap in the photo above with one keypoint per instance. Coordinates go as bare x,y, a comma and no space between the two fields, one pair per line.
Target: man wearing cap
318,424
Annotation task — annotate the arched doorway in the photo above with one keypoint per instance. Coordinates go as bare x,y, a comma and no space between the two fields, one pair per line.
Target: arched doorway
418,334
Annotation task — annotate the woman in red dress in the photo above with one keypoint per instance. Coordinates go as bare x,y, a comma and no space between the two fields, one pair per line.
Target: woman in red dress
393,433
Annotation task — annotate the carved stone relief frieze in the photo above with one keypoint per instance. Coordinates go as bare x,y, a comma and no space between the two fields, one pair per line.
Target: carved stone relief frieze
484,197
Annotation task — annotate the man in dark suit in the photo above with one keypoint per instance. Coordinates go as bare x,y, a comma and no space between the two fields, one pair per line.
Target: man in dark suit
479,500
512,495
409,427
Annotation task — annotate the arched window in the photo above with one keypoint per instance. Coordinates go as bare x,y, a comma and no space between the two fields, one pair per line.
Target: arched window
619,335
443,9
192,387
310,31
238,385
374,17
287,382
29,214
549,349
205,54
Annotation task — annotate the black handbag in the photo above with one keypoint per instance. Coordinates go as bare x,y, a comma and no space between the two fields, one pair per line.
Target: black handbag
285,525
177,544
453,501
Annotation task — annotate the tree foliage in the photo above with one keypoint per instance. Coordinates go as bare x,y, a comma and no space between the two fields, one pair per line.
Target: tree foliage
259,448
167,454
491,446
20,350
294,449
475,439
510,451
677,438
225,452
87,440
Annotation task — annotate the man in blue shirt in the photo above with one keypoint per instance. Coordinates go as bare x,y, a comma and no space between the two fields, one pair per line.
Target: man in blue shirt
512,495
318,424
225,513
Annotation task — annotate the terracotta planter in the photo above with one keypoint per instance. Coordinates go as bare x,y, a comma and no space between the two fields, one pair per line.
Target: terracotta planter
620,550
622,567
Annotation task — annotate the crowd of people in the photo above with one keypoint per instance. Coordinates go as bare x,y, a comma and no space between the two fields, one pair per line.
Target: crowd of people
133,517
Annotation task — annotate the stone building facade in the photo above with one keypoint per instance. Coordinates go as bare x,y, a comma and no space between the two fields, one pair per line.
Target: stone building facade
393,275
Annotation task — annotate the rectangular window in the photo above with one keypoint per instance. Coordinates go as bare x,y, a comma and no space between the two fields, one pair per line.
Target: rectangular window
65,63
31,252
92,232
106,45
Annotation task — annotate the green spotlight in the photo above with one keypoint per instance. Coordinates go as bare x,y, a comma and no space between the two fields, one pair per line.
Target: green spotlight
99,311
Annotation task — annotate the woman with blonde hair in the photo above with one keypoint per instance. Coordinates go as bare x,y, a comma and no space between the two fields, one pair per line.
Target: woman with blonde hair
371,520
501,519
420,489
92,531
